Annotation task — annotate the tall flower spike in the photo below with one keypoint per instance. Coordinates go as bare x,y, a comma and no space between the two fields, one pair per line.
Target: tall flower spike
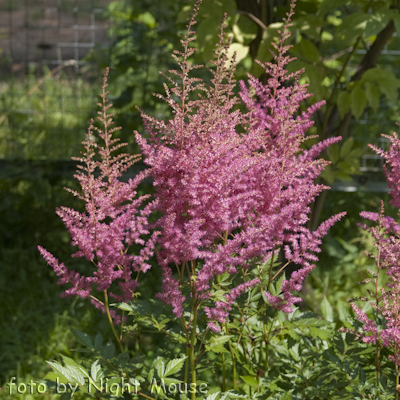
112,221
386,235
233,186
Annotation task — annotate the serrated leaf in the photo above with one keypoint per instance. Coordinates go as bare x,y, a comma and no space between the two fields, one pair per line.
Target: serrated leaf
213,396
125,307
67,372
83,338
171,381
108,350
219,349
174,366
293,334
358,101
219,340
53,377
98,341
159,365
327,310
287,395
150,375
250,380
319,333
344,103
94,370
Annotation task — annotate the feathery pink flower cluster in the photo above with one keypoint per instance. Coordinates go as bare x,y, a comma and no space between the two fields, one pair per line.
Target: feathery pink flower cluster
112,221
386,235
234,186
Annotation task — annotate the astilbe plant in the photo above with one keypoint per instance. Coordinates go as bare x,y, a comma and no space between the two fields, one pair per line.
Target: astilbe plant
233,187
384,331
111,223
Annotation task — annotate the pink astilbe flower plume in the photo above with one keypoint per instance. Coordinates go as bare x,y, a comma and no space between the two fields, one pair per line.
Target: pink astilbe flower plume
233,186
386,236
112,221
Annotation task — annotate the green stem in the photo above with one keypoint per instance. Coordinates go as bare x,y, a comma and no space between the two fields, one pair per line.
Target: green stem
270,269
267,335
223,385
234,372
145,395
266,348
192,355
111,321
185,328
397,382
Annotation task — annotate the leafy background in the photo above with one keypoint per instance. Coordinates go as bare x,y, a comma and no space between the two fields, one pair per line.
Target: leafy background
349,53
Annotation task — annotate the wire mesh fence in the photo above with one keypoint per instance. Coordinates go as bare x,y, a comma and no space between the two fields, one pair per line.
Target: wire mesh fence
46,84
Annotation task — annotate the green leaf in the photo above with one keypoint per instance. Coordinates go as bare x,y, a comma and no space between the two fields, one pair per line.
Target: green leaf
358,101
309,50
396,19
125,307
83,338
250,380
213,396
326,310
346,147
159,366
344,103
72,371
287,395
53,377
147,19
343,310
387,81
219,349
245,30
389,87
328,174
327,6
333,153
170,381
150,375
373,94
207,32
353,25
108,350
95,370
174,366
98,341
319,333
219,340
377,22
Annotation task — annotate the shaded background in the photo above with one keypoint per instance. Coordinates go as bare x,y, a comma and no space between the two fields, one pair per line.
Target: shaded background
53,54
